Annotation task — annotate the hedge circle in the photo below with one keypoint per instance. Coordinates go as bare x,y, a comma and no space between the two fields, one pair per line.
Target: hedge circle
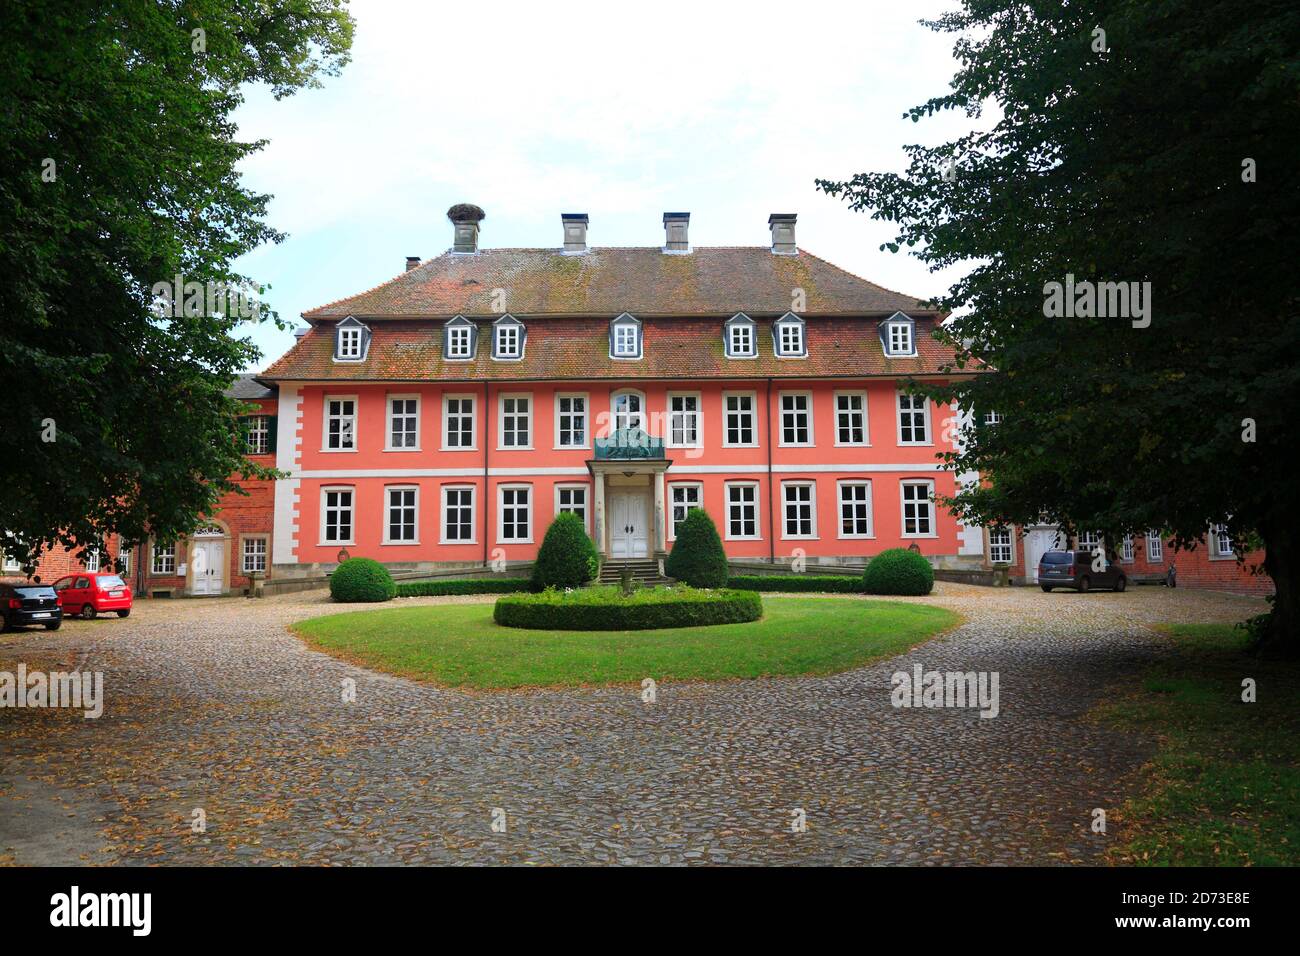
604,609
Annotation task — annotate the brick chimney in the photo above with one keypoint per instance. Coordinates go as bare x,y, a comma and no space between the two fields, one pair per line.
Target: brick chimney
782,226
412,262
575,231
465,217
675,226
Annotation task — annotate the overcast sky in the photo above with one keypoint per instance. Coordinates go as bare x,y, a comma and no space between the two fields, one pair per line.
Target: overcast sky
728,111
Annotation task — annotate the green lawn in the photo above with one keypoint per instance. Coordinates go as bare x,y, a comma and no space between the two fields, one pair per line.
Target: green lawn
459,645
1225,786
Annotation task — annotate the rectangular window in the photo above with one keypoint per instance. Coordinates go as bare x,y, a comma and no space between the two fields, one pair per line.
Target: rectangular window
791,338
403,423
796,418
1000,545
508,341
572,499
336,515
1089,541
10,565
629,411
625,340
516,421
913,419
684,421
516,513
401,525
164,559
684,498
340,424
124,559
571,421
254,555
460,342
457,515
1126,553
742,511
257,435
92,561
349,343
992,418
739,414
799,505
741,340
900,338
851,418
855,509
458,421
918,509
1220,541
1155,546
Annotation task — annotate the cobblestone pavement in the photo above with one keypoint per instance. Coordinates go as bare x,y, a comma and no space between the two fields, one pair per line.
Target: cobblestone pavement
212,705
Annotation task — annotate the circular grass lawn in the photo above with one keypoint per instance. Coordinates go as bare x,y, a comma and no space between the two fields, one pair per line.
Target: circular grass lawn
459,645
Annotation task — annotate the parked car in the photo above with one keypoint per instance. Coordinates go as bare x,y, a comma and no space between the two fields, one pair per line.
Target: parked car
29,604
1073,569
90,594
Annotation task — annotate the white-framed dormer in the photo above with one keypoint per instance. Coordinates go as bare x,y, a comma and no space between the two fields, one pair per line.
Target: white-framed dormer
790,337
459,340
508,338
898,336
625,338
740,337
351,341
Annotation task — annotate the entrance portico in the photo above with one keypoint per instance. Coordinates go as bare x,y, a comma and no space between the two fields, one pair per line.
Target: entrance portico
628,474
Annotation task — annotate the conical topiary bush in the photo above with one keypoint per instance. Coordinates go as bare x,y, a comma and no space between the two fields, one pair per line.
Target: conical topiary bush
568,557
697,557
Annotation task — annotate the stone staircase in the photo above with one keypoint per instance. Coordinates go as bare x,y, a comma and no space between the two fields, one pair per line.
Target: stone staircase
645,571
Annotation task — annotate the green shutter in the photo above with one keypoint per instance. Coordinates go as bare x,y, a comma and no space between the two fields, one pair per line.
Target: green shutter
270,432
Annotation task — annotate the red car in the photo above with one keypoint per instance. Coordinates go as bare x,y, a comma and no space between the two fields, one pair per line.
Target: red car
90,594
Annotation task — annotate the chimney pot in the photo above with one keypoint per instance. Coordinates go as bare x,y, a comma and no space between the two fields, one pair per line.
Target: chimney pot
782,226
675,231
465,217
412,262
575,231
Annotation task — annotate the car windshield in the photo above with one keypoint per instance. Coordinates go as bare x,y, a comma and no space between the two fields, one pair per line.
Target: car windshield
40,591
1056,557
111,581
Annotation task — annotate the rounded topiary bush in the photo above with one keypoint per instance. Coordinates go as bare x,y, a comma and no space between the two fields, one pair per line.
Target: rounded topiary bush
898,571
697,557
361,580
608,609
567,557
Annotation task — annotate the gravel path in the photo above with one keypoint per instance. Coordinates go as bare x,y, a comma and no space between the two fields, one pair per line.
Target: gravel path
213,706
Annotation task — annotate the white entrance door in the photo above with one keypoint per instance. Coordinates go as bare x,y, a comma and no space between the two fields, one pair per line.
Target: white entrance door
628,530
209,559
1037,543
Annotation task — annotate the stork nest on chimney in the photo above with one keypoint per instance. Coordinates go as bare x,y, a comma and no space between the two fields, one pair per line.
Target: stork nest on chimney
466,212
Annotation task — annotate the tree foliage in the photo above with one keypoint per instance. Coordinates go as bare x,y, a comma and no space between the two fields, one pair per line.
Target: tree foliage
118,171
1162,150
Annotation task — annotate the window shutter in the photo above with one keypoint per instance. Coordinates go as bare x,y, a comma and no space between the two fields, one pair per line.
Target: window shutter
271,421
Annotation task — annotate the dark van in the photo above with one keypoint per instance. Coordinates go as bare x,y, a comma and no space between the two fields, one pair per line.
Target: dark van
1073,569
29,604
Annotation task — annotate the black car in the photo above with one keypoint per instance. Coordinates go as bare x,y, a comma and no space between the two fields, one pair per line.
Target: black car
29,604
1073,569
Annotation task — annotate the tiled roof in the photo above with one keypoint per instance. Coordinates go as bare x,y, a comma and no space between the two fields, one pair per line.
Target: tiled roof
643,281
577,348
246,386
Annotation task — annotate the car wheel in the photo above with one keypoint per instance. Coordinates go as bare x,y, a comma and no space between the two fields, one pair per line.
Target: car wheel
1046,588
54,626
88,612
1121,584
1084,584
125,613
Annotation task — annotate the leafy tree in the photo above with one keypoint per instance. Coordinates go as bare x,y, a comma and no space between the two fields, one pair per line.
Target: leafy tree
697,557
118,172
1159,151
568,557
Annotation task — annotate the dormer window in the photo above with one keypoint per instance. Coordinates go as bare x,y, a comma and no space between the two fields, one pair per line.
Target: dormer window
508,335
740,337
898,335
460,337
788,338
351,341
625,337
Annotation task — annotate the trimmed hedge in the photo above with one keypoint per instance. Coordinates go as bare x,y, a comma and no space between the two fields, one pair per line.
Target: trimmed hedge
697,557
567,558
898,571
607,609
463,586
359,580
821,583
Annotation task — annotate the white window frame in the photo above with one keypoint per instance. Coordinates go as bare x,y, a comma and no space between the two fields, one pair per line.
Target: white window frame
740,321
473,421
932,511
325,491
899,412
698,415
1156,553
244,553
1010,545
351,343
625,321
1215,540
807,412
614,412
698,487
388,515
907,337
753,419
515,397
499,327
165,552
840,485
758,518
92,561
9,565
389,418
1089,541
779,327
992,418
586,490
812,510
501,513
456,330
473,514
585,397
1127,550
861,395
327,417
259,427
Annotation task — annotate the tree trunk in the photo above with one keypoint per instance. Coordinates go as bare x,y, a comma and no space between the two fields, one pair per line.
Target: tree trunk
1282,638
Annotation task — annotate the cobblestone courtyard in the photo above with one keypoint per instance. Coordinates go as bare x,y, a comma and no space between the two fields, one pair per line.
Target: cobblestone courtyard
213,705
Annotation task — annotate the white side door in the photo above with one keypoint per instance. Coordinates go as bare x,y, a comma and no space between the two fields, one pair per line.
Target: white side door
208,562
620,541
640,534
